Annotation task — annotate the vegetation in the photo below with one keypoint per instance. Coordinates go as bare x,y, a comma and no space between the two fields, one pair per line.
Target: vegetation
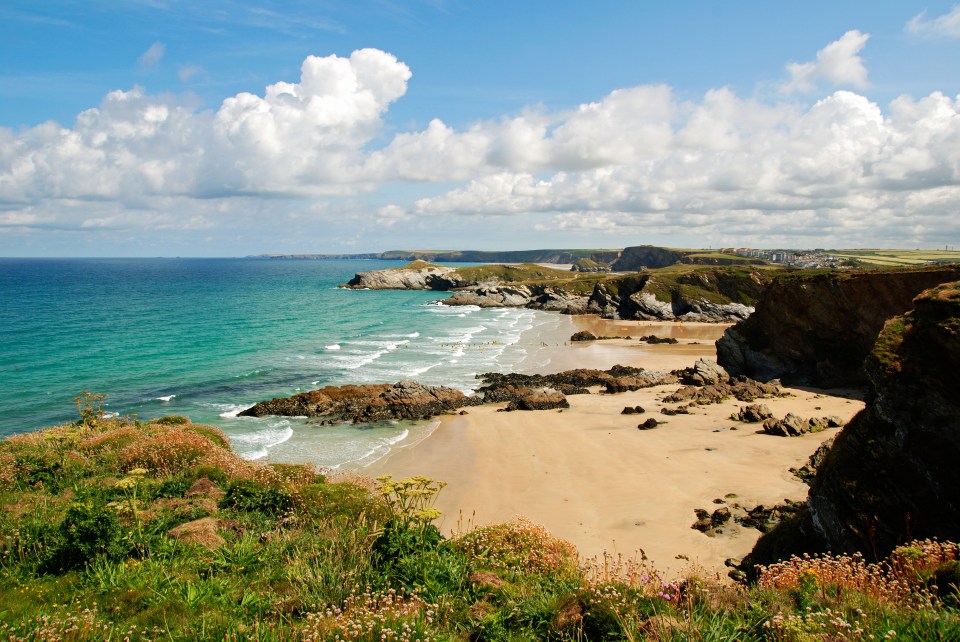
893,258
113,530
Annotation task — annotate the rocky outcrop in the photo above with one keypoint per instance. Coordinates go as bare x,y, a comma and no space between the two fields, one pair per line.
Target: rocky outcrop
418,275
603,302
366,403
753,414
497,387
892,474
708,296
817,328
703,373
807,472
634,259
740,388
720,295
540,399
794,426
520,296
589,265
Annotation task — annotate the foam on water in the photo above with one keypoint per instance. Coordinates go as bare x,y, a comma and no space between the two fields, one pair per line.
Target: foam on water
257,445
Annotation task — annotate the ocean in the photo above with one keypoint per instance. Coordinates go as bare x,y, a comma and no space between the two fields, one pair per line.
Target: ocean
207,338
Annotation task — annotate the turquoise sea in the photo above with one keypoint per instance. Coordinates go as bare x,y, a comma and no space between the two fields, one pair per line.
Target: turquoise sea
208,337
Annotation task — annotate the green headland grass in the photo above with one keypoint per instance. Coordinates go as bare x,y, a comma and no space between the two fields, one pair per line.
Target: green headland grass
112,529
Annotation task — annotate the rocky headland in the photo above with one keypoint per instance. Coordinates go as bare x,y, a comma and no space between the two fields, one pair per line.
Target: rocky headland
817,327
696,294
891,475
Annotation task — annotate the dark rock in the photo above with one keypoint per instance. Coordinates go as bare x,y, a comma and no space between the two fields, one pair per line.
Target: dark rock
720,516
583,335
766,519
680,410
648,424
654,339
742,389
753,414
366,403
892,473
633,410
794,426
603,302
817,328
806,472
542,399
538,297
703,373
789,426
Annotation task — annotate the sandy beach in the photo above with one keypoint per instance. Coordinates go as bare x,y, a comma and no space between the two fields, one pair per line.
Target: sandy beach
591,477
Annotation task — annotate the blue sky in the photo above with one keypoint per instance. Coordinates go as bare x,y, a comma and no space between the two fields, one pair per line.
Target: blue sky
146,127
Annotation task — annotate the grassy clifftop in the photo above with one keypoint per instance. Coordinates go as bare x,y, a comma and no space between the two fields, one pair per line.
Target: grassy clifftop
115,529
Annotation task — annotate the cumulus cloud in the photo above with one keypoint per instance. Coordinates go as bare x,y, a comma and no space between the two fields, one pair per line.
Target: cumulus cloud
153,54
639,161
839,63
945,26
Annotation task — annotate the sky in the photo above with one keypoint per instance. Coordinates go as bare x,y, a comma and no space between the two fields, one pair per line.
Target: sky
234,128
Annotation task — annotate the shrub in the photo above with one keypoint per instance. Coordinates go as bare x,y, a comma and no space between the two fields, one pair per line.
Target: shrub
169,452
518,547
250,496
171,420
89,530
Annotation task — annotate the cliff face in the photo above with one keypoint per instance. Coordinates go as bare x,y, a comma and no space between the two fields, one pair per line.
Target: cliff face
418,275
892,474
817,328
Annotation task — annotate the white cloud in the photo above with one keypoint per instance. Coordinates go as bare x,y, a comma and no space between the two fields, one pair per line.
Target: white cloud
839,63
153,54
635,164
945,26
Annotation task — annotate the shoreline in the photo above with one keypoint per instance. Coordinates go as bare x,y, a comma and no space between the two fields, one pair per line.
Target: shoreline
590,477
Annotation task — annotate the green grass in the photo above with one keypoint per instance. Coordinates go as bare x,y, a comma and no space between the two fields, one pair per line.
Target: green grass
89,513
892,258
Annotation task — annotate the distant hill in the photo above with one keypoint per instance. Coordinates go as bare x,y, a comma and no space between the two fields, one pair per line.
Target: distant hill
563,256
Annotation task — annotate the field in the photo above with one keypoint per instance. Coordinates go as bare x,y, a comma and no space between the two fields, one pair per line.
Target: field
894,258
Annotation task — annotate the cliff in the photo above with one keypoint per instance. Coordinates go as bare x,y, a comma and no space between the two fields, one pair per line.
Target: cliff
417,275
892,473
719,294
817,327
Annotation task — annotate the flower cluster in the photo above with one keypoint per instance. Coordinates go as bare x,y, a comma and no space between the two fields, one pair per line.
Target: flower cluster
897,580
826,625
520,546
376,617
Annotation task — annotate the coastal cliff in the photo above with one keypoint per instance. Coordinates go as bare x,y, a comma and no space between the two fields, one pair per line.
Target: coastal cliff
891,474
817,327
706,294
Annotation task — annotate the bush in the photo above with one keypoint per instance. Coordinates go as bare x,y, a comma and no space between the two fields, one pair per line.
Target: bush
248,496
89,530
